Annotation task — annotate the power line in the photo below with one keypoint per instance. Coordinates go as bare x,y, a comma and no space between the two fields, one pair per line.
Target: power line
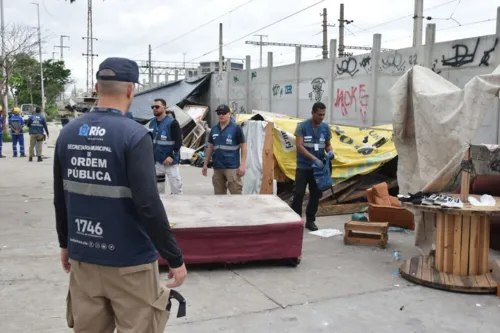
403,17
265,27
468,24
199,27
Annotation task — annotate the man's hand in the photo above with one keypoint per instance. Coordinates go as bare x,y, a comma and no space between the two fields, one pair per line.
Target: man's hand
204,171
241,171
330,155
168,161
65,261
318,163
178,274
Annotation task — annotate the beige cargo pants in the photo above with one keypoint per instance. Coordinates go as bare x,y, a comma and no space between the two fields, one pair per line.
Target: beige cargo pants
36,140
224,179
129,299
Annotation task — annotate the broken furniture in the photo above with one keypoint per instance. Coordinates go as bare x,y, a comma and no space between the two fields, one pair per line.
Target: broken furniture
368,233
382,207
234,228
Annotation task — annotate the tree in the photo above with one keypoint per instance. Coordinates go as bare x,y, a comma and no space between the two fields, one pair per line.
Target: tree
26,83
19,40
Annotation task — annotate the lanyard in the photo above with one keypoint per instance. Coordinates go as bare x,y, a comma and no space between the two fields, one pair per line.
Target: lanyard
109,110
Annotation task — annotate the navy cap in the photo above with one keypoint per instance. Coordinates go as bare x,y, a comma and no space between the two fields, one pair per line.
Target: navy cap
224,108
125,70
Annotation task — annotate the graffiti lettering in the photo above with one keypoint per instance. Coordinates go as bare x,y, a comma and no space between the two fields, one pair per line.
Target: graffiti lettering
354,98
413,60
395,60
317,91
218,79
365,63
462,55
434,67
234,106
486,57
288,89
236,79
276,89
349,66
254,75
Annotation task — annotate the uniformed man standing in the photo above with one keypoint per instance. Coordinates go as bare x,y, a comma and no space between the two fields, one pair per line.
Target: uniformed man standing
110,221
37,125
225,142
312,140
167,142
16,124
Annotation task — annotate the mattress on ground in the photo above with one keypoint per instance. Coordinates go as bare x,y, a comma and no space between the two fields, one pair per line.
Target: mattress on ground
234,228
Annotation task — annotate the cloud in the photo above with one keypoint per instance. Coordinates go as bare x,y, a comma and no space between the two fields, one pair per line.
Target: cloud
127,27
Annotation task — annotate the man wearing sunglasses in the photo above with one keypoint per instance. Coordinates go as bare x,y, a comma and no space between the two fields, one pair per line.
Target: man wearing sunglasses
226,140
167,142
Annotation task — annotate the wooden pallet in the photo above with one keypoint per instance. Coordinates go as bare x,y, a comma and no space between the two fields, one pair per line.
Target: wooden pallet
368,233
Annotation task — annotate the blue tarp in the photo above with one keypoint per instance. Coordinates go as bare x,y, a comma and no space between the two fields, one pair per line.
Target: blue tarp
173,93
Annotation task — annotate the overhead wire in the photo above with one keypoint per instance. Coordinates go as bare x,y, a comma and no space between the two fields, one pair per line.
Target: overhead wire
199,27
265,27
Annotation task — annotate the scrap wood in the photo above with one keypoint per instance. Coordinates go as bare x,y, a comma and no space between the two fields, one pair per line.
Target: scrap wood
341,209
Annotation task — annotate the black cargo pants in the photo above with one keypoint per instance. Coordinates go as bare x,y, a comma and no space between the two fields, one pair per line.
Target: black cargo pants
304,177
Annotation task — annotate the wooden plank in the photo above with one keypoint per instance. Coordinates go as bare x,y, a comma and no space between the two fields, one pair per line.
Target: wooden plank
427,269
347,193
361,240
414,266
367,226
420,267
279,175
482,281
473,245
484,245
464,252
342,209
457,243
491,280
440,232
449,226
464,187
267,161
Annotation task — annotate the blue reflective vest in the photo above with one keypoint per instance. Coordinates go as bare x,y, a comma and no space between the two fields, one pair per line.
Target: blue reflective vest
36,124
17,122
103,224
226,153
310,140
163,141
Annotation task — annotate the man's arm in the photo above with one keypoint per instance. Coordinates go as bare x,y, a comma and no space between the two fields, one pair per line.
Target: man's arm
141,175
59,201
176,133
243,146
208,154
45,126
299,142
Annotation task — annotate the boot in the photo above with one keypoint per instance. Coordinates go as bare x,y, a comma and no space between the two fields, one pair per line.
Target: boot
311,226
31,159
40,159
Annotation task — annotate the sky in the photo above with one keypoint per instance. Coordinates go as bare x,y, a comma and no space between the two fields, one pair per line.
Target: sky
125,28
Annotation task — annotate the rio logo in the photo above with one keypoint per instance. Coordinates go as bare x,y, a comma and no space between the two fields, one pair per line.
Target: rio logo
86,130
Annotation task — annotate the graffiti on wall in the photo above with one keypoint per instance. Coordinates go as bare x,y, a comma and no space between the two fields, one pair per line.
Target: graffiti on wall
218,79
365,63
277,90
317,89
349,66
235,109
486,54
394,61
462,55
288,89
236,79
353,99
254,75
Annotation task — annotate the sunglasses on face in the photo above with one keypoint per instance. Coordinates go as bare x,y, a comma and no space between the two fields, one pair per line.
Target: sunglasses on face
155,107
221,113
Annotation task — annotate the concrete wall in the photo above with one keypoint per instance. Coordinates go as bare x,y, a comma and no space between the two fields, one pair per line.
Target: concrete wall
356,89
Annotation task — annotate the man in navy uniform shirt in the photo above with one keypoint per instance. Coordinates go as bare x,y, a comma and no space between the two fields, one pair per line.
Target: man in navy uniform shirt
110,220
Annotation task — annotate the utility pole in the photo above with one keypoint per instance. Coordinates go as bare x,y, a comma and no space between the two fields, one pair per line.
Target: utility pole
261,48
220,48
325,32
40,56
184,59
62,47
341,30
150,64
54,54
90,49
418,23
4,63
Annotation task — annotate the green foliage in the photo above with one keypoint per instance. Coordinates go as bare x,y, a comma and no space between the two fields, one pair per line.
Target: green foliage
51,111
25,80
6,137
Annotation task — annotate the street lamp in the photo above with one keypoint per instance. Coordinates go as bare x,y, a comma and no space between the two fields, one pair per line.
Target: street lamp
40,56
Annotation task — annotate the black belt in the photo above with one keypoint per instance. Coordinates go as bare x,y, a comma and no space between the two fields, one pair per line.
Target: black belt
181,312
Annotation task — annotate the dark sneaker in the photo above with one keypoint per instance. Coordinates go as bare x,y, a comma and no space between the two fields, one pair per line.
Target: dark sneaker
2,156
31,159
23,155
40,159
311,226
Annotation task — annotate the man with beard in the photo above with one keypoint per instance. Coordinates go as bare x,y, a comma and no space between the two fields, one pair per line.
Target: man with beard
167,142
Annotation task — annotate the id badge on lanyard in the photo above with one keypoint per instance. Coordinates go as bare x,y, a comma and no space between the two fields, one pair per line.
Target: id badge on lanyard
316,147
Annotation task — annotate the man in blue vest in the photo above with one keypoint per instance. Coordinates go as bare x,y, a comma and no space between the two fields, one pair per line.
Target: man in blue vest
1,132
312,140
37,125
110,220
167,142
225,142
16,124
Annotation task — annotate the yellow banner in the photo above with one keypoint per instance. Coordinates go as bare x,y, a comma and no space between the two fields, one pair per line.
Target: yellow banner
355,153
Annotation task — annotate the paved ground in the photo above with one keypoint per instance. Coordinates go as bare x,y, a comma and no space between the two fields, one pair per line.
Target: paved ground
336,288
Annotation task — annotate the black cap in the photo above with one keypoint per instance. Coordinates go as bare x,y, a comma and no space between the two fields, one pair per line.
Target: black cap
125,70
224,108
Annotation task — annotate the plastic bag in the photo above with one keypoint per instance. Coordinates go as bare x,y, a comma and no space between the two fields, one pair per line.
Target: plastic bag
323,176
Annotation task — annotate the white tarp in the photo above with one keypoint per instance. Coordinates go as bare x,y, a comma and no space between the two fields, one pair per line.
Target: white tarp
433,123
254,132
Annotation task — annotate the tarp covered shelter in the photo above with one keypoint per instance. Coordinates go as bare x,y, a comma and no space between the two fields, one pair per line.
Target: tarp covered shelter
174,93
